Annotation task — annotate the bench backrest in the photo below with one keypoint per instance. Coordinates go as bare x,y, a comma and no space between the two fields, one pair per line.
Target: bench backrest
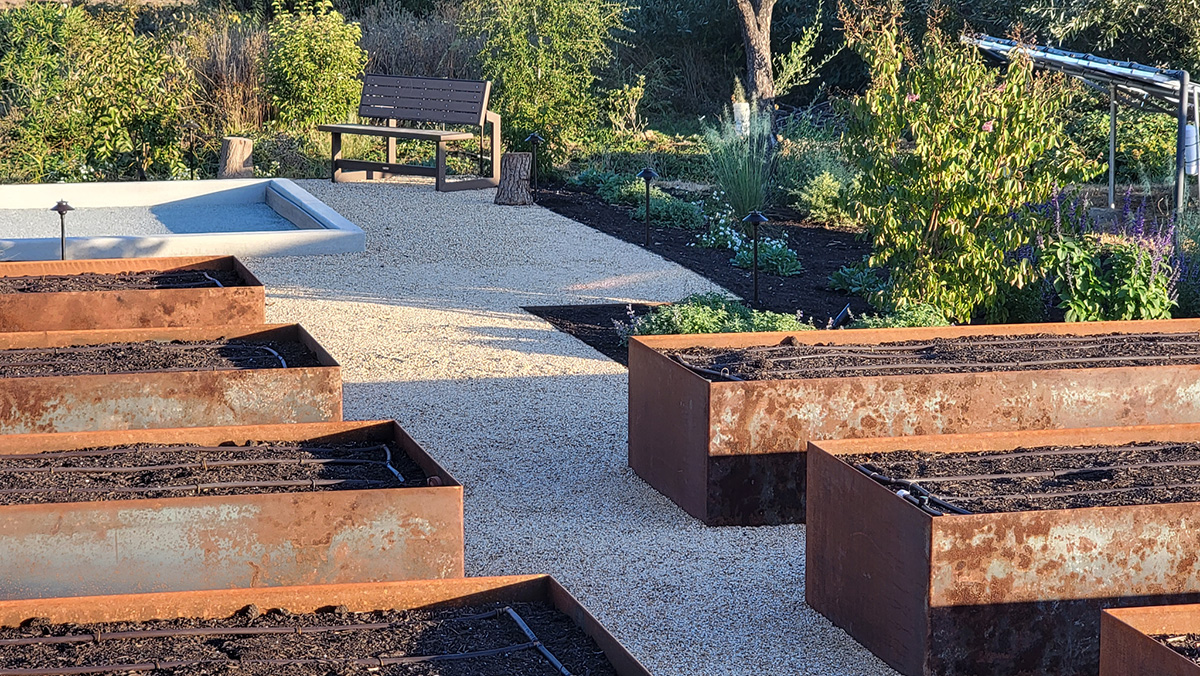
422,99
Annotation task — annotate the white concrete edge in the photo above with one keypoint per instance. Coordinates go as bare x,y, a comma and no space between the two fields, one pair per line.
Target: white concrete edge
134,193
320,211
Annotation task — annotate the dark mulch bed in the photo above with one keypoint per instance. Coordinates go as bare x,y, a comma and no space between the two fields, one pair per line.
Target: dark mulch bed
344,652
791,360
821,250
1045,478
150,471
149,279
155,356
1187,645
593,324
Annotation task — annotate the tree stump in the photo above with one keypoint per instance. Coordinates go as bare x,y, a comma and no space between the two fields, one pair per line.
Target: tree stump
515,169
236,158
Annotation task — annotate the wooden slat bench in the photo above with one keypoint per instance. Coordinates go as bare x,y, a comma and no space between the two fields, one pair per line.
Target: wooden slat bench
394,99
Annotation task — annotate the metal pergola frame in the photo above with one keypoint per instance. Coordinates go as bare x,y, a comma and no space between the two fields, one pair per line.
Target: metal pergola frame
1132,84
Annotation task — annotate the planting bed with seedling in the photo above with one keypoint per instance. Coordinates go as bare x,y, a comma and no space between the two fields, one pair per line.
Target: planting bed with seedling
142,279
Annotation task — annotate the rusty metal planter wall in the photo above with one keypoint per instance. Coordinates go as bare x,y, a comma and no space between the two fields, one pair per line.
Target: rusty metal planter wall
229,541
1126,648
732,453
356,597
169,399
989,594
130,308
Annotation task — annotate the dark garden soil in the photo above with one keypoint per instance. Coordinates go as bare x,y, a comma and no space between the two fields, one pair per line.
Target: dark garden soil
150,279
821,250
792,360
146,471
341,643
1044,478
1187,645
593,324
151,356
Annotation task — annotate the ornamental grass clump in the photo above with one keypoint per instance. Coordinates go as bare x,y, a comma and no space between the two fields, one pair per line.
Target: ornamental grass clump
950,150
742,161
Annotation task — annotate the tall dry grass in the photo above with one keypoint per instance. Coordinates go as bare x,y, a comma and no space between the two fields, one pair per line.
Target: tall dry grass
401,42
229,69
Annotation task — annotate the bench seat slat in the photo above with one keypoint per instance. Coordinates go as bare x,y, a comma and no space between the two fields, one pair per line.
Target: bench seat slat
471,107
397,132
416,115
423,95
372,80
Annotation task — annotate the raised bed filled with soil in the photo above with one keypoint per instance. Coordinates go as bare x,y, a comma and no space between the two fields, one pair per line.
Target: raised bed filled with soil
128,293
71,381
719,422
223,507
1163,641
491,626
994,553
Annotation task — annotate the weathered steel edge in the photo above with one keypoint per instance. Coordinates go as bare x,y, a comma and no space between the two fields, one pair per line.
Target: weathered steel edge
81,522
23,339
127,308
884,567
360,597
997,441
668,428
868,336
358,430
1126,648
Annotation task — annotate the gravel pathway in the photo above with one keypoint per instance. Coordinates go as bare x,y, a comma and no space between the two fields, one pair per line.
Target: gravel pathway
428,328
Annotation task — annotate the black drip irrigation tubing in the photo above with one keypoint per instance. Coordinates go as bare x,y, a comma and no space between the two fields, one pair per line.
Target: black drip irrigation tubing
158,665
912,492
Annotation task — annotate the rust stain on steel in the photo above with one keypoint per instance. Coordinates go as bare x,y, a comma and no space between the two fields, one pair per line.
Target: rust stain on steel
686,434
213,542
168,399
404,595
1007,593
1126,646
130,308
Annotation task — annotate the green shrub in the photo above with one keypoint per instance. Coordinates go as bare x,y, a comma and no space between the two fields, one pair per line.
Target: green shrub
712,313
812,171
313,66
742,164
774,257
1145,143
859,279
950,151
592,178
822,198
542,56
629,192
86,97
919,314
671,212
1099,277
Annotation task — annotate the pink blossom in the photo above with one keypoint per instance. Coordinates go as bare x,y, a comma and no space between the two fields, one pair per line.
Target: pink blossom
912,97
989,125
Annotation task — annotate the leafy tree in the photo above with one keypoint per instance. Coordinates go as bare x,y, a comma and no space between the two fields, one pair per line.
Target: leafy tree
313,65
950,151
542,57
1155,33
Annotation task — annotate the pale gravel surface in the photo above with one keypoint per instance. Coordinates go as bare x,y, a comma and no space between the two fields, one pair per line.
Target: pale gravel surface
163,219
428,327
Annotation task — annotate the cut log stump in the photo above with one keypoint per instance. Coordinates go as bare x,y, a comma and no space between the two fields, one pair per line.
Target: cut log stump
237,159
515,169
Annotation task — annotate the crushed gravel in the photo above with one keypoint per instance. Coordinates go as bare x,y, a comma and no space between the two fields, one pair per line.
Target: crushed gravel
428,328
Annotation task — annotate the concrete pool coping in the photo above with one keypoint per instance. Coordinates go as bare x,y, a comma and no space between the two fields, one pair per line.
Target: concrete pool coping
318,228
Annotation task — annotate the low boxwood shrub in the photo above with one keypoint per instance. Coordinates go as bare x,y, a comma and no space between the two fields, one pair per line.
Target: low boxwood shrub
671,212
912,315
774,257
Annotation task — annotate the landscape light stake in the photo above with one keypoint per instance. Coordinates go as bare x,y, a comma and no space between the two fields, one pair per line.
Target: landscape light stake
191,126
755,218
535,140
647,175
62,208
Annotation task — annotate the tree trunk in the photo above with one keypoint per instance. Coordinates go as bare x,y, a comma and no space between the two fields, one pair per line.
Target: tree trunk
236,158
755,18
515,169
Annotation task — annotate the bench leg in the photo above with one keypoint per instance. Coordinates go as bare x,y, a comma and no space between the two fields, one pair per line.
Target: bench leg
441,166
496,149
335,143
391,145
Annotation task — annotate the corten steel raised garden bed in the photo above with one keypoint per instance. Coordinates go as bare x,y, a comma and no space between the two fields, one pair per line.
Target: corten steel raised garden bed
1138,641
127,293
1061,524
223,507
487,626
732,452
251,385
